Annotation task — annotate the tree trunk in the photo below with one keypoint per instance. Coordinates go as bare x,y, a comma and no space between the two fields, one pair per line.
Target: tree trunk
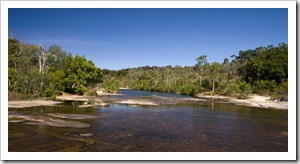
9,84
213,89
14,86
40,63
200,80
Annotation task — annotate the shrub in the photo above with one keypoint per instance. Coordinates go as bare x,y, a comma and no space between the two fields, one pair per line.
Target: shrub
264,87
46,92
239,89
80,89
92,101
245,90
113,86
90,92
189,89
281,93
18,96
232,89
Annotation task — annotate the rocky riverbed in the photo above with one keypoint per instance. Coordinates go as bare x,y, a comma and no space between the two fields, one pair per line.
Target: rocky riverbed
104,101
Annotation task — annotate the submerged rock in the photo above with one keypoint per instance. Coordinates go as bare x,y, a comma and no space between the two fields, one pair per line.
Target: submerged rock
86,134
15,120
47,121
73,116
59,123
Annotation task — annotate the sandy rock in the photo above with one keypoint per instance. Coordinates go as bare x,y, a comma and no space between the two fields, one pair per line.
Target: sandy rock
31,103
86,134
94,105
138,102
102,93
73,116
86,106
72,98
102,104
253,100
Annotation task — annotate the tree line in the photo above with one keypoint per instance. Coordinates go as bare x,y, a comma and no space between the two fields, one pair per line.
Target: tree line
263,71
34,71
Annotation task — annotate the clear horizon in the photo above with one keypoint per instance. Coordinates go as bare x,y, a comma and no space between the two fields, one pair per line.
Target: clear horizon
126,37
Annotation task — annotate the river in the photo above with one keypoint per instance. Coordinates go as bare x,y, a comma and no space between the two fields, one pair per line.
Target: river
209,126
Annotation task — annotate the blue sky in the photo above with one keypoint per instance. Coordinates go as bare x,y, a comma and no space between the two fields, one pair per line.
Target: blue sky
124,38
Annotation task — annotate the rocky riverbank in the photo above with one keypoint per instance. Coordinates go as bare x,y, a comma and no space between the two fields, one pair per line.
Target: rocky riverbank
104,101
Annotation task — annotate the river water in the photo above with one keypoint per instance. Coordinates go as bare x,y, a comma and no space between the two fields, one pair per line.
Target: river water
210,126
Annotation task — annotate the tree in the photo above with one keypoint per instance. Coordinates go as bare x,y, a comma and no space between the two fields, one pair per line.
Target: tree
35,71
201,61
43,56
226,61
13,52
12,78
57,56
215,69
265,63
80,75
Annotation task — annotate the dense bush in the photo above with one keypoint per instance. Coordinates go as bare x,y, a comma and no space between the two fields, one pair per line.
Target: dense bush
281,92
111,86
39,72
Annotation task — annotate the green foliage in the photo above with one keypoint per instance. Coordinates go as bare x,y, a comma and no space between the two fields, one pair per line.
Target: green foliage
80,89
189,89
46,92
281,92
18,96
61,71
215,70
264,87
263,70
13,52
233,89
265,63
12,78
81,73
201,62
91,101
90,92
245,90
238,89
111,86
58,79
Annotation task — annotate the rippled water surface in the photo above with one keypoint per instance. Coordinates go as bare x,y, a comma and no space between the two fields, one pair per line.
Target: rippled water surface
201,127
